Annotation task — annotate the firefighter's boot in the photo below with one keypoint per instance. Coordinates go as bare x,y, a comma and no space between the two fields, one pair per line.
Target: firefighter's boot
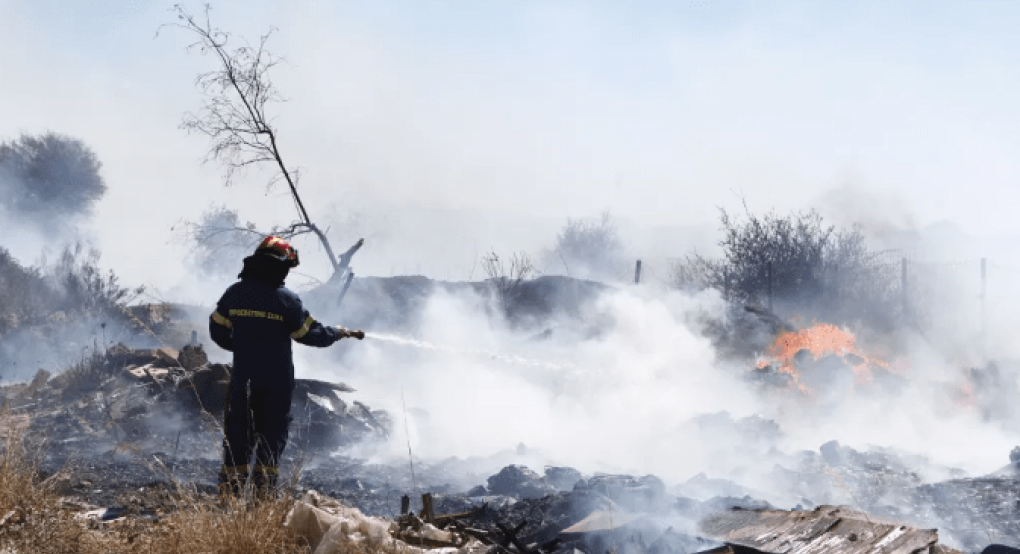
232,480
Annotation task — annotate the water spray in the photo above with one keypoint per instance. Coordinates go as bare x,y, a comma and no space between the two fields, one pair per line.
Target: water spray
511,359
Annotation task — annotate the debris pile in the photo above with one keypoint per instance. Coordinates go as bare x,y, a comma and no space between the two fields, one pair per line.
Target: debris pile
597,513
129,409
165,399
520,482
329,527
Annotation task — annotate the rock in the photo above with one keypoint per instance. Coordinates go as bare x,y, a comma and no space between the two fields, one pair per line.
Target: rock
478,491
520,482
113,513
1000,549
640,494
831,453
1014,457
703,487
563,478
209,385
193,357
725,503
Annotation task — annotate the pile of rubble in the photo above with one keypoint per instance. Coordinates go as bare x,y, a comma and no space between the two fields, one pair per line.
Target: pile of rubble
548,512
125,410
642,519
168,400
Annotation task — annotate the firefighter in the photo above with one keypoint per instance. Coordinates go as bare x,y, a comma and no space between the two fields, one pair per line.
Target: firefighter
256,319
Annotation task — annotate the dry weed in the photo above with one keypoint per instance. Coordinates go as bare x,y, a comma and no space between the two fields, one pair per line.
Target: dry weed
31,518
249,524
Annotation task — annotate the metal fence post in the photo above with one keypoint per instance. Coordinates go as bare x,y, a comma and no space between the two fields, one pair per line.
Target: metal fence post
984,307
903,286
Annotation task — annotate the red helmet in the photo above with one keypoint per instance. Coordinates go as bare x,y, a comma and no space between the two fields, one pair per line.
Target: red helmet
278,248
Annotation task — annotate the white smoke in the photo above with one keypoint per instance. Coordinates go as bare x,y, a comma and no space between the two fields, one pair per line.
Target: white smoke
627,393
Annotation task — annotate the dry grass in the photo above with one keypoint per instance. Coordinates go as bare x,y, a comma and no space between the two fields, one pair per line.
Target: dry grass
30,509
250,524
33,518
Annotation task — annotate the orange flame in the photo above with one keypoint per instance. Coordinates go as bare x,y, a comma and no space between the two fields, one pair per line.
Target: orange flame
963,396
820,340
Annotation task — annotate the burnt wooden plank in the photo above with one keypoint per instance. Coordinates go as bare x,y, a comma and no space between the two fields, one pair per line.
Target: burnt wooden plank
910,540
825,530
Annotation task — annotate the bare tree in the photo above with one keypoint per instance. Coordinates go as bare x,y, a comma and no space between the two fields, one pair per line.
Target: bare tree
506,276
236,118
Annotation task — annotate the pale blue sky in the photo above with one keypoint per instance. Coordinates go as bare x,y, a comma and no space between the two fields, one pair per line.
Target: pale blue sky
489,123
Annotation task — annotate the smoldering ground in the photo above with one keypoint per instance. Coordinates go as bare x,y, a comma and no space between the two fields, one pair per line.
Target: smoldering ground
634,386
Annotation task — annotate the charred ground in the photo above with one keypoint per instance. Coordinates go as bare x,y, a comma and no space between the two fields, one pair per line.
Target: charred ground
133,423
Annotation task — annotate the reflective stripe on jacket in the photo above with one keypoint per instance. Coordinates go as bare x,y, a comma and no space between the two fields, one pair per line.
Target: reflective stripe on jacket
257,322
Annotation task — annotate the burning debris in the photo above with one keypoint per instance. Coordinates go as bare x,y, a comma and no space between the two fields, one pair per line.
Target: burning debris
816,357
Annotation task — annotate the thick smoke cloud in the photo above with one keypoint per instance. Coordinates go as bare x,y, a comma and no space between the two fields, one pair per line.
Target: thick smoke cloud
635,386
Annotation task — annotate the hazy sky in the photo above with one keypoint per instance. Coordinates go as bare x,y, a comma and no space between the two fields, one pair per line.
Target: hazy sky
442,129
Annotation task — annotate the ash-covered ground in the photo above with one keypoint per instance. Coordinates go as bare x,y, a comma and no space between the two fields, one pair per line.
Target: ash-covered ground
127,425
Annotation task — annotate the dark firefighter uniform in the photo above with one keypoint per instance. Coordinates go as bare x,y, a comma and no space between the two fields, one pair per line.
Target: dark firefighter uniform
256,319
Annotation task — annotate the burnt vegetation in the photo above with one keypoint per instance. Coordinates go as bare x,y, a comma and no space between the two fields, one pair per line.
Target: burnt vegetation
220,241
49,175
797,265
506,275
72,288
589,249
42,307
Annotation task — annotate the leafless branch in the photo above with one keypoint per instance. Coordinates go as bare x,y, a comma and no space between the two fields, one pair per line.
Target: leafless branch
235,116
506,276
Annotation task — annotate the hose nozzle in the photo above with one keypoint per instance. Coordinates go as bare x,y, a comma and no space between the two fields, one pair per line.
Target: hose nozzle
350,333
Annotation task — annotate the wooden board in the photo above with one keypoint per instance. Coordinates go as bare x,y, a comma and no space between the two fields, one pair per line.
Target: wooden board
825,530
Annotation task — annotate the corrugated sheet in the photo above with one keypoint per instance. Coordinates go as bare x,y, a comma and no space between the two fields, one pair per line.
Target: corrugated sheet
825,530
